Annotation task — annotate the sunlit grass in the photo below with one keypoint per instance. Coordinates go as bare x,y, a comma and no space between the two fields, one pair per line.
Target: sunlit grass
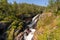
50,26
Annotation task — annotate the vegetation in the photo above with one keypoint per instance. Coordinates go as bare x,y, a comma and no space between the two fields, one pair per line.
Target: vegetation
48,26
12,17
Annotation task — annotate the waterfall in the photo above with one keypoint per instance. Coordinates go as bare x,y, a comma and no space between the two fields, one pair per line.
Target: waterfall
29,33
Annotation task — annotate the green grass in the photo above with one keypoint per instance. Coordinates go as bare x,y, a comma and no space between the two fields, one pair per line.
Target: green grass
51,27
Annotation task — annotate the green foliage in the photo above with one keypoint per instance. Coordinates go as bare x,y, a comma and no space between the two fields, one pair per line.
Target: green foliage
12,31
54,6
11,15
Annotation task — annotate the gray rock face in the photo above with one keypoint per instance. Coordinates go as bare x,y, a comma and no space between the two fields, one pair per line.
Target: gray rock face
2,30
2,25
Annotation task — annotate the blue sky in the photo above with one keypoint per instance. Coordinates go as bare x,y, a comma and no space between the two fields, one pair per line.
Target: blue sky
37,2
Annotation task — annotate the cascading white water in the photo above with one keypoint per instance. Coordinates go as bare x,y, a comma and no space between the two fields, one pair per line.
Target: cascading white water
31,34
28,33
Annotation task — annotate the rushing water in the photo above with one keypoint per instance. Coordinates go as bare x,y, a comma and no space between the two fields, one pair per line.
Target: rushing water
28,35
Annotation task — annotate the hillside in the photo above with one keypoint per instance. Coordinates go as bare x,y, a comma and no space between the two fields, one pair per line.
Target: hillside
48,27
14,18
